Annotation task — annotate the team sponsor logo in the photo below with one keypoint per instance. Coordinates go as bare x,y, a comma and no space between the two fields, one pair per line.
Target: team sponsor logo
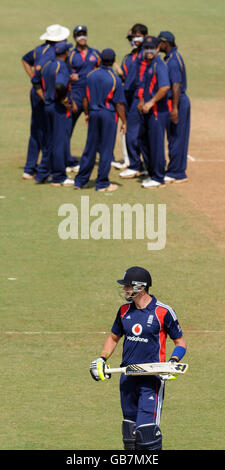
137,329
92,58
137,338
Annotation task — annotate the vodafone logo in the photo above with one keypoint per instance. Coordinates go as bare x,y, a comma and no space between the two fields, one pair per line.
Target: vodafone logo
137,329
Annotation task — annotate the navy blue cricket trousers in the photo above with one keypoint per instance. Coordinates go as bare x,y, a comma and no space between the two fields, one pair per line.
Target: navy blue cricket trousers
37,128
178,139
152,144
56,143
100,138
132,141
72,161
141,399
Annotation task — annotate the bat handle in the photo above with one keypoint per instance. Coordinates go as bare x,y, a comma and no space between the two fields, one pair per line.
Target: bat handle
120,370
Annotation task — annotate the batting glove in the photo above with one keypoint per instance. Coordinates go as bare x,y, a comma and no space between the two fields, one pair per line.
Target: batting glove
165,377
169,376
97,369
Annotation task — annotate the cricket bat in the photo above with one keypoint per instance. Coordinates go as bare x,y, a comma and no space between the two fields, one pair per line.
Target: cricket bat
154,368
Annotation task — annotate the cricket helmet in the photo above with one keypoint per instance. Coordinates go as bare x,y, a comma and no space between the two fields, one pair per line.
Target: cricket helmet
136,276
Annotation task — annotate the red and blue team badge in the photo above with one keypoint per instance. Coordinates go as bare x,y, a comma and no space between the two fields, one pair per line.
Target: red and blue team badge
137,329
92,58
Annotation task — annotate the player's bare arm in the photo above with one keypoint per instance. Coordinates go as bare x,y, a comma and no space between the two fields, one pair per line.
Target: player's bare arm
176,87
120,108
179,350
109,345
28,68
161,93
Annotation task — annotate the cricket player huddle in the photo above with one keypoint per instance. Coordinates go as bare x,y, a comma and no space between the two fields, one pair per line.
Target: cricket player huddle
147,93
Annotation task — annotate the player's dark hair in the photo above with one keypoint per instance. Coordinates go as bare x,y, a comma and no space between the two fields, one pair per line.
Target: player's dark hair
61,91
172,43
107,63
139,28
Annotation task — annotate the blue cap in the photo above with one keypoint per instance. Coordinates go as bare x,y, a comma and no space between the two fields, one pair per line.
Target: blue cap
151,42
62,46
166,36
108,55
78,29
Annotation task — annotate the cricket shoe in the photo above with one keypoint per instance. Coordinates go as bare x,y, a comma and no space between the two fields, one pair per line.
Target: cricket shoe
152,184
146,180
128,174
169,180
27,176
183,180
110,188
67,183
119,165
70,169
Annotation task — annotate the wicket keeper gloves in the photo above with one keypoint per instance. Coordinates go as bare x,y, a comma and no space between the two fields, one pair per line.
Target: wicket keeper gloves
97,369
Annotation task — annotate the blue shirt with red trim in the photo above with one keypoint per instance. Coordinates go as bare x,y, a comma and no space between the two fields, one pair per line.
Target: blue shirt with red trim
82,64
129,68
54,72
145,331
39,56
155,76
104,89
176,68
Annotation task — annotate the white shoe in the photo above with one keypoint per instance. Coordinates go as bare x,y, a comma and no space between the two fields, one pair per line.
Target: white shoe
67,182
152,184
110,188
146,180
75,169
119,165
168,179
27,176
130,173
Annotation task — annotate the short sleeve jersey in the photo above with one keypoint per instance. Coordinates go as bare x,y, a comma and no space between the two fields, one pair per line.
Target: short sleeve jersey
39,56
54,72
82,65
104,89
176,68
155,76
145,331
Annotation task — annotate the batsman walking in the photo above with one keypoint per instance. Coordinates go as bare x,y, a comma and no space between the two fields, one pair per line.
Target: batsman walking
145,323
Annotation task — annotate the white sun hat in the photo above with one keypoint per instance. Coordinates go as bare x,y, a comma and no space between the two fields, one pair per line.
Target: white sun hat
56,33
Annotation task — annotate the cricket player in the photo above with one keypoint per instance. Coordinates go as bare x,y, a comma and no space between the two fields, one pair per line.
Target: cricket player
144,322
58,103
82,60
31,60
154,111
133,67
178,128
104,103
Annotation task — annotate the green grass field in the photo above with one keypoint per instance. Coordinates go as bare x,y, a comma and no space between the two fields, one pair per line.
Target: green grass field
58,298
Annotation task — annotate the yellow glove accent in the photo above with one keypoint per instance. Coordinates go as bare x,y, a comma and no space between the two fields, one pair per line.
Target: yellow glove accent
100,370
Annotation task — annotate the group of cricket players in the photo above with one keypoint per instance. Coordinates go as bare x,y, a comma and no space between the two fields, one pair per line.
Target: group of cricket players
145,96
